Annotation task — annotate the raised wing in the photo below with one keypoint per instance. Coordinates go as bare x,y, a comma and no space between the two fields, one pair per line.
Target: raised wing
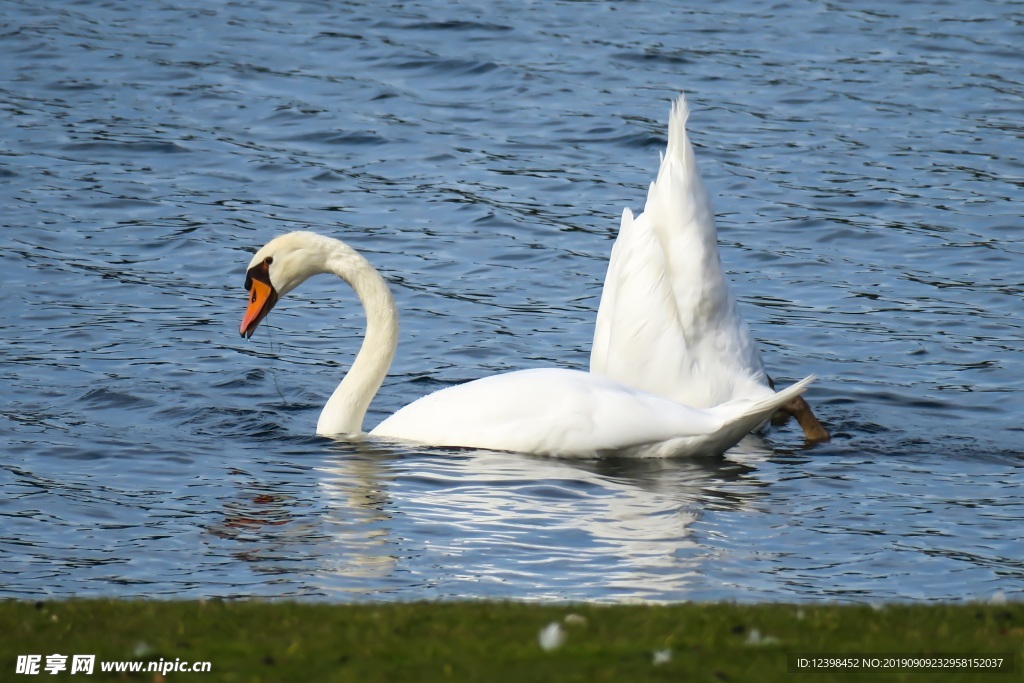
667,323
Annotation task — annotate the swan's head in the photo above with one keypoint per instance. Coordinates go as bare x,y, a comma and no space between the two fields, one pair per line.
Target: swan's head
278,268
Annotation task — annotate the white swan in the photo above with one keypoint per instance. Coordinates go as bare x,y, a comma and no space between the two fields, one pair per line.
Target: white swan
667,323
544,411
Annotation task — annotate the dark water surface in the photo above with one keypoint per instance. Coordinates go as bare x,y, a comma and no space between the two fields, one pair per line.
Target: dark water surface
867,168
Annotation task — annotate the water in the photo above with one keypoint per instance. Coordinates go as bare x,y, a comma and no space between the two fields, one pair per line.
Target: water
866,164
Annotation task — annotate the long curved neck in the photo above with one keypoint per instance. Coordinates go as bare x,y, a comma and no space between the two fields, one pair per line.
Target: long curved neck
347,406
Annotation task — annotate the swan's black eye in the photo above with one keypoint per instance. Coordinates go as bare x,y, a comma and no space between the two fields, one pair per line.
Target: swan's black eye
268,260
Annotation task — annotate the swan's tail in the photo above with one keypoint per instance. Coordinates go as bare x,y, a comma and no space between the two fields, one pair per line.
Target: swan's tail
743,415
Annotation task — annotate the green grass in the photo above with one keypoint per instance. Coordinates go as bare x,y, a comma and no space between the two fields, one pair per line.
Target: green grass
493,642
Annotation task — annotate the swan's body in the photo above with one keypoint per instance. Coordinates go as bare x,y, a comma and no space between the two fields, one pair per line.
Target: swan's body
545,411
572,413
667,323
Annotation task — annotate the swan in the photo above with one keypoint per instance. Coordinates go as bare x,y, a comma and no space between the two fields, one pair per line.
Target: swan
546,411
667,323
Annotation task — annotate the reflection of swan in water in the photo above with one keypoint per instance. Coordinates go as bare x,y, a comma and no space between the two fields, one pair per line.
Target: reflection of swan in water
482,523
287,530
357,519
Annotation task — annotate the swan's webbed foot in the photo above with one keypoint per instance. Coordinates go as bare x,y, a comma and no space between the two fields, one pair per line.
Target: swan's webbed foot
814,432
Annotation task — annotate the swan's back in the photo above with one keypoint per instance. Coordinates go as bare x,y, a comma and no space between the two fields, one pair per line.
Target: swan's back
667,322
548,411
560,412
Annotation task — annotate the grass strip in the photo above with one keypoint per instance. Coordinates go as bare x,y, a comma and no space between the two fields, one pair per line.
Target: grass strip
498,641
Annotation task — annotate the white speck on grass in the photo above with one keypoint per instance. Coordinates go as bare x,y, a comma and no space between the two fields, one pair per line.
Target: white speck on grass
551,636
998,598
141,649
662,656
755,638
575,619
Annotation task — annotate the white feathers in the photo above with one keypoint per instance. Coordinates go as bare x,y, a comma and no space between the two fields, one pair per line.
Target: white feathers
757,639
575,414
667,322
551,637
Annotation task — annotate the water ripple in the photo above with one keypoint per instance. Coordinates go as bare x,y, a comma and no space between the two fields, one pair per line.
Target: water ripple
868,205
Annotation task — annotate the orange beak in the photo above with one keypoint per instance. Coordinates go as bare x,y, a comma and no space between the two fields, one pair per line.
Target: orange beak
262,298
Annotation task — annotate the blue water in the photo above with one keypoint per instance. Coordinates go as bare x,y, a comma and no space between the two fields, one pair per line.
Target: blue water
866,164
